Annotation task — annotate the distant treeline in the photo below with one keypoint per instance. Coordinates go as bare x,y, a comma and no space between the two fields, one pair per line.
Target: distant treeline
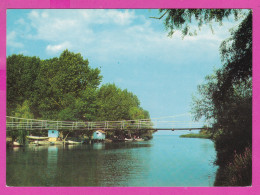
66,88
205,134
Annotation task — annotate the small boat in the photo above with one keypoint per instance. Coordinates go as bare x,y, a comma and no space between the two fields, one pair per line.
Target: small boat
128,140
42,143
16,144
37,137
138,139
69,142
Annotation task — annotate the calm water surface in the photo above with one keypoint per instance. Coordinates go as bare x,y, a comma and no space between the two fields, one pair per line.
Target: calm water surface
167,160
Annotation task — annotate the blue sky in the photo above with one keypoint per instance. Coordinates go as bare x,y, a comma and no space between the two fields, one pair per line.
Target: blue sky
131,49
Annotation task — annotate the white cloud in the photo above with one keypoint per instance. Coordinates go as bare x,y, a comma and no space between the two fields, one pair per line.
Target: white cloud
60,25
11,40
111,33
122,18
108,16
11,36
34,14
20,21
53,49
45,15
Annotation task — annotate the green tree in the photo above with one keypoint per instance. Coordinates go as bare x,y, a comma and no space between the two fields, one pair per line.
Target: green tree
21,111
136,113
22,72
226,100
181,19
117,104
114,103
236,55
63,86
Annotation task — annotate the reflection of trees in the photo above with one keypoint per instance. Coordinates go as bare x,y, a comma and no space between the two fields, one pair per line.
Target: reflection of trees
116,165
113,165
27,167
52,162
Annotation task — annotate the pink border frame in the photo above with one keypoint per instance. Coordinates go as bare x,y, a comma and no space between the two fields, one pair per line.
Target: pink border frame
46,4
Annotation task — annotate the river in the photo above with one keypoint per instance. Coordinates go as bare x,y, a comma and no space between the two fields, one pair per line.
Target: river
166,160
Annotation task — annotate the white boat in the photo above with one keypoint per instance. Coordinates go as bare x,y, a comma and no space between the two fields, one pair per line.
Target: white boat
37,137
16,144
42,143
138,139
128,140
69,142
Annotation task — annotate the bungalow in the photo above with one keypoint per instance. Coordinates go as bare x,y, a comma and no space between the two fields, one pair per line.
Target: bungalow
99,135
53,135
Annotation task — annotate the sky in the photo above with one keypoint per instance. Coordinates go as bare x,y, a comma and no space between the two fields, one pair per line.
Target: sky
131,49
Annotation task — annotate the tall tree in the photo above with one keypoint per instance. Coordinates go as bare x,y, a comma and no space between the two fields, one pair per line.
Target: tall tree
62,82
226,99
22,72
181,19
114,103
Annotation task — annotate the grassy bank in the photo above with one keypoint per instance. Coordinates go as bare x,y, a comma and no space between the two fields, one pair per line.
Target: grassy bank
193,135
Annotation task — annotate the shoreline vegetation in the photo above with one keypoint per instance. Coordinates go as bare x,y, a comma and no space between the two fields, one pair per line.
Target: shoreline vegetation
203,134
196,135
70,141
225,97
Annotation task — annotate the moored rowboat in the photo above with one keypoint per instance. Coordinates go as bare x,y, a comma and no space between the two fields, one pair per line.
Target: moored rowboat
69,142
16,144
42,143
36,137
139,139
128,140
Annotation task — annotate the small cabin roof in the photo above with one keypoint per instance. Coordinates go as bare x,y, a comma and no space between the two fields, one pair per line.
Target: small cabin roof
53,130
101,131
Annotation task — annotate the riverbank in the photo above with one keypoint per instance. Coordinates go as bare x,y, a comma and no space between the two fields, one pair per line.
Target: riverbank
193,135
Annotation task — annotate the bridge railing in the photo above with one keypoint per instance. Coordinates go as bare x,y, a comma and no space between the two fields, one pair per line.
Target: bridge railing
15,123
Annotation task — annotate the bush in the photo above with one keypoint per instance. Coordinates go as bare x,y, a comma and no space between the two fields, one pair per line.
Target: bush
239,171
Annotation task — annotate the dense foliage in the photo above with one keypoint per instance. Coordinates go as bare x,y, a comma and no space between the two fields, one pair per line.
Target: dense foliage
66,89
22,72
205,133
225,99
116,104
196,135
181,19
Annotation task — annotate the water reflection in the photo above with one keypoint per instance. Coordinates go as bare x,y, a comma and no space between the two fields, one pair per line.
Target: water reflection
52,163
71,147
164,161
15,149
98,146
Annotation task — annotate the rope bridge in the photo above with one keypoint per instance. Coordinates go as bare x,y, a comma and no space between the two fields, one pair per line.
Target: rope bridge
16,123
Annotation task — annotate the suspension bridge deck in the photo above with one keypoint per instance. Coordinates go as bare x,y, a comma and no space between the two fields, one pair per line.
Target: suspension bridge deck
15,123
